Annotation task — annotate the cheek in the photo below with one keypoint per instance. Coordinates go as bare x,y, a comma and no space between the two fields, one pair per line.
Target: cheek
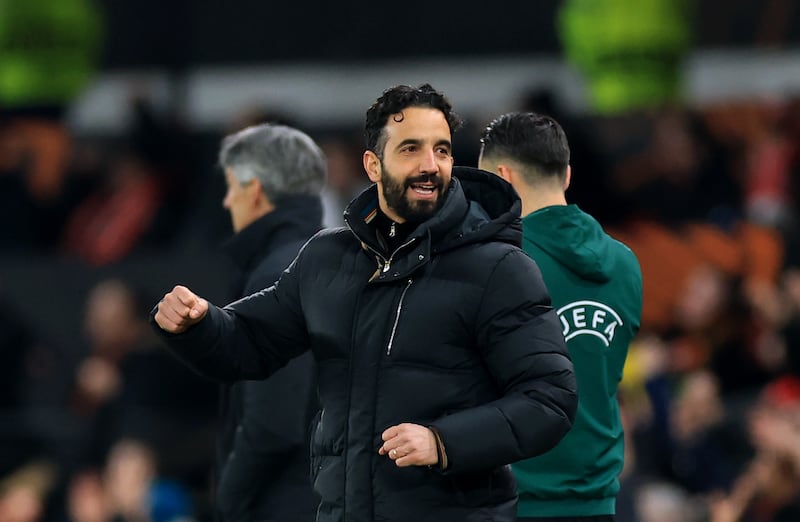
446,175
230,197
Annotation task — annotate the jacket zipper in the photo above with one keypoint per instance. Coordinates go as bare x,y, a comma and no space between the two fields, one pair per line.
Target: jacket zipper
388,264
383,264
397,316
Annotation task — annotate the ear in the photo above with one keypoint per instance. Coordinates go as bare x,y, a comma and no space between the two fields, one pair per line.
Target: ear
505,172
258,199
372,165
567,178
254,192
253,188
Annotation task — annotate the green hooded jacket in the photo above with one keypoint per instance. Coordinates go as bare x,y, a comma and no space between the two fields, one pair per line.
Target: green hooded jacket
596,287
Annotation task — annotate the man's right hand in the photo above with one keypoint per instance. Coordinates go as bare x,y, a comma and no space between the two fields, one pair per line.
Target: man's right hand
180,309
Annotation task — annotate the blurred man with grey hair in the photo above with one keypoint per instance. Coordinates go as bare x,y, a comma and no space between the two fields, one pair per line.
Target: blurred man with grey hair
274,175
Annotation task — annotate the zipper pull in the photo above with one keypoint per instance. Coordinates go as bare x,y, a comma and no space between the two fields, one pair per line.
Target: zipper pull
393,229
387,266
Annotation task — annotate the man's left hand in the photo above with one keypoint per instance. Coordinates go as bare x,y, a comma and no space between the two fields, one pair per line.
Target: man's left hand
409,445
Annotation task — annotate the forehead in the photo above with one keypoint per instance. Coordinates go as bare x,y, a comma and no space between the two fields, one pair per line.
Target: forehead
417,123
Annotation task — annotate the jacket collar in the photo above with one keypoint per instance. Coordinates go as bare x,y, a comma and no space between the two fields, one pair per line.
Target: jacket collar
478,206
360,214
303,213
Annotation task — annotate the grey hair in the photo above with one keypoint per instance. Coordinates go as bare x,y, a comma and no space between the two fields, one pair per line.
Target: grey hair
285,160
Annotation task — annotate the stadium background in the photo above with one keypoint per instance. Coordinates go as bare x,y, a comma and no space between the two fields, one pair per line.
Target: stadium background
154,85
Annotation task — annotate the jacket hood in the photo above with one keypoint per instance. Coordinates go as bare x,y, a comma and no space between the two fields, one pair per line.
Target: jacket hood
574,238
494,206
478,206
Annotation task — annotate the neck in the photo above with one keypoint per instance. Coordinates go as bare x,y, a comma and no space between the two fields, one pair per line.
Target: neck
535,199
394,233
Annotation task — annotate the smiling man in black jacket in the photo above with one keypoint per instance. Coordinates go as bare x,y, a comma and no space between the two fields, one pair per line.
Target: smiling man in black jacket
440,358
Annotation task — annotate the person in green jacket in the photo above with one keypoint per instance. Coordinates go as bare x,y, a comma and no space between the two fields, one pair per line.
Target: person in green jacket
596,287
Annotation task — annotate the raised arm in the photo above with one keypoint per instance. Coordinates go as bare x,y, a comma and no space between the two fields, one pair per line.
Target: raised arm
248,339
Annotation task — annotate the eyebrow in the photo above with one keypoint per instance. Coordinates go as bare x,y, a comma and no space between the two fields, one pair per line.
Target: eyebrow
416,141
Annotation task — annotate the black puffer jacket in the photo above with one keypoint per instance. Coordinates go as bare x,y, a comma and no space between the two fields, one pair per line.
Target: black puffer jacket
454,330
262,447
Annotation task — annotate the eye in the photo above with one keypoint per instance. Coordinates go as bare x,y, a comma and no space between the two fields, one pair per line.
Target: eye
444,151
409,148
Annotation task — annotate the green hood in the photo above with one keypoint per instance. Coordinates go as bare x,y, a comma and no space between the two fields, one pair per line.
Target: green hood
573,238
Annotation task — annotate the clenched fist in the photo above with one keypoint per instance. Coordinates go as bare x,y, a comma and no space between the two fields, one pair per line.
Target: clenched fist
180,309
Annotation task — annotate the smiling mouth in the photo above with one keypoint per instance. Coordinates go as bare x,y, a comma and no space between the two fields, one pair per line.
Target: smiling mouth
424,189
426,186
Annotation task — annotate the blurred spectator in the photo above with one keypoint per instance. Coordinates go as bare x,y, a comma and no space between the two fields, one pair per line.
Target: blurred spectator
767,190
20,348
658,501
127,386
346,175
682,206
129,489
86,500
215,227
685,442
768,490
274,175
34,156
665,165
135,490
716,327
705,446
23,494
49,51
140,199
112,221
791,306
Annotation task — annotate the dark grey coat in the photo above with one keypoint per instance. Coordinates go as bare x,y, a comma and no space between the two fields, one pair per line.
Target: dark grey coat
262,449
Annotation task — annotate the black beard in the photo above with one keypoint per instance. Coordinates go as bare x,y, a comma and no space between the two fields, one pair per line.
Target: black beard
397,200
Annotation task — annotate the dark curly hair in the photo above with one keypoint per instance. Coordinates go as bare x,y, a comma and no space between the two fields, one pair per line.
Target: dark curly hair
393,101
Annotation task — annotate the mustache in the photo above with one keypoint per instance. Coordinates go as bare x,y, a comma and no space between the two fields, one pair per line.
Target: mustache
425,178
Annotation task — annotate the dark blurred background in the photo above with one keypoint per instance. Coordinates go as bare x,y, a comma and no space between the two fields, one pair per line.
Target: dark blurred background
182,33
684,122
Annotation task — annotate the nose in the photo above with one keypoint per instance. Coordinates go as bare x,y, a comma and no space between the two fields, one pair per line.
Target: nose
226,204
428,163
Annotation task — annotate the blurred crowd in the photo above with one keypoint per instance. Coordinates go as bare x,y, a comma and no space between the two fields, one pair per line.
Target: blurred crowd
707,198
